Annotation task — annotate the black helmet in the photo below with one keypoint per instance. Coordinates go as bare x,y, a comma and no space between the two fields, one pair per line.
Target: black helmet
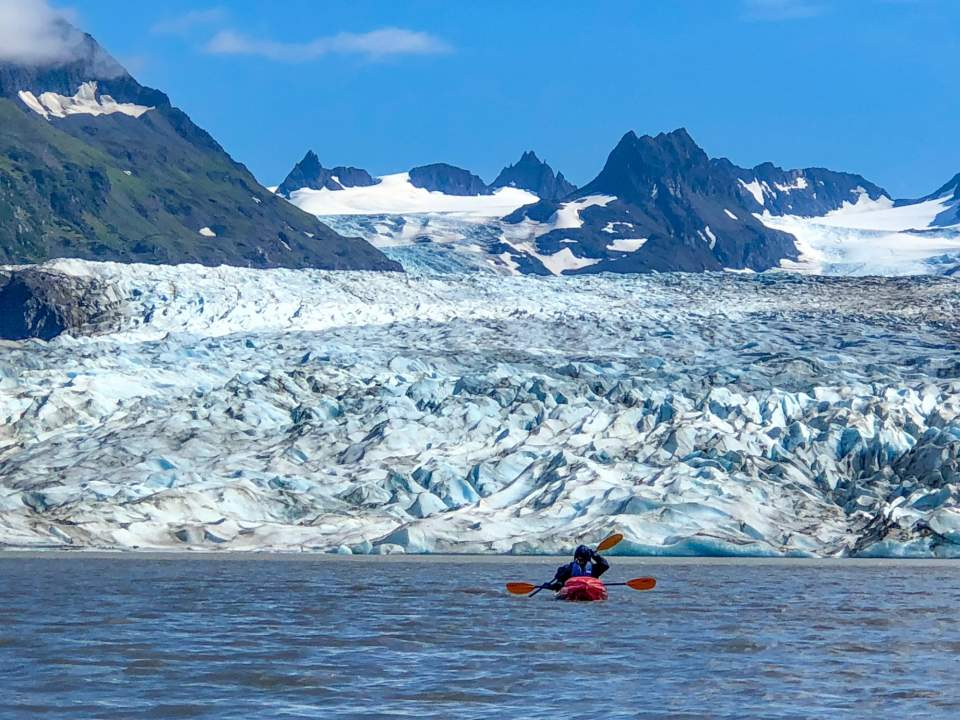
582,553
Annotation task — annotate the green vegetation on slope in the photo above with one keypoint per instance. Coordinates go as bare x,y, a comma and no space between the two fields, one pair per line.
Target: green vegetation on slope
116,187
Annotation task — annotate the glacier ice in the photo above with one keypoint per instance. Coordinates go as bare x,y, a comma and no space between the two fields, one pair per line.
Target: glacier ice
357,412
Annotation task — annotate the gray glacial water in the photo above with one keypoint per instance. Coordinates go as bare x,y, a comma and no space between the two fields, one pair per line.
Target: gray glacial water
265,637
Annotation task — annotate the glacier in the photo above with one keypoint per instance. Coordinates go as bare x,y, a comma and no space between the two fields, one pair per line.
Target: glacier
350,412
869,237
876,237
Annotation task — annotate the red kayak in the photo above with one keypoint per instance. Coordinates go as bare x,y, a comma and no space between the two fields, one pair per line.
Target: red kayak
583,589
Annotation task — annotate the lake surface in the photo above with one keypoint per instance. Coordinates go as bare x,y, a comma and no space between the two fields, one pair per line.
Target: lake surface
256,637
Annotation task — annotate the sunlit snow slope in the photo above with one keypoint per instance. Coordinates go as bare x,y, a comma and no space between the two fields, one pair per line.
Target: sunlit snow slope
395,195
877,237
354,412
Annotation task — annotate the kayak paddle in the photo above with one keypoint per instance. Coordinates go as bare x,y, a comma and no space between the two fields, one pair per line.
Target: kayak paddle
644,583
641,583
609,541
605,544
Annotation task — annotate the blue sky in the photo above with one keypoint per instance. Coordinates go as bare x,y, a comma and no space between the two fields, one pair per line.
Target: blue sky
868,86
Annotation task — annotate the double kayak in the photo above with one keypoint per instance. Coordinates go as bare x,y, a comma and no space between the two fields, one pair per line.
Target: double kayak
583,589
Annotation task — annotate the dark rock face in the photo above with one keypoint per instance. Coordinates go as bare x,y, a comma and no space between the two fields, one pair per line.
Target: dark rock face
447,179
667,207
39,304
309,173
115,187
531,173
808,192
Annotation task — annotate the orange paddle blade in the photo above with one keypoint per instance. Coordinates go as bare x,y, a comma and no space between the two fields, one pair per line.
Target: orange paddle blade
518,588
609,542
645,583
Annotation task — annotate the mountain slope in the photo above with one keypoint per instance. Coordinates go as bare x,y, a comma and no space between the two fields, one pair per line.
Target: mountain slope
82,175
808,192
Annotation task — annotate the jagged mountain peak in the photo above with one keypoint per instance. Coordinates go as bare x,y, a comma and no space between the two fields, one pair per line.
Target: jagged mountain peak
533,174
310,173
638,165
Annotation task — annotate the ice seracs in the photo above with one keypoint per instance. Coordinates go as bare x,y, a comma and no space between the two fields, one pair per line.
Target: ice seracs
85,102
237,409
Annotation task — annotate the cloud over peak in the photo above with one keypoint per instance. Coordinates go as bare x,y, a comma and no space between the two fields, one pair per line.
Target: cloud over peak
34,33
374,45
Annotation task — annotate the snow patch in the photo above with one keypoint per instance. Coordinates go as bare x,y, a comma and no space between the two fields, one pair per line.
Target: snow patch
627,244
559,262
395,195
713,238
799,184
85,102
207,232
730,214
567,215
754,189
611,227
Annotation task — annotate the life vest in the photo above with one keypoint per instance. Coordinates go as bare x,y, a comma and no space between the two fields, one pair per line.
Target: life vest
577,571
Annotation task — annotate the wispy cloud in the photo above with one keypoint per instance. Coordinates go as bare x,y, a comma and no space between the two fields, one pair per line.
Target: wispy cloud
374,45
775,10
33,32
183,24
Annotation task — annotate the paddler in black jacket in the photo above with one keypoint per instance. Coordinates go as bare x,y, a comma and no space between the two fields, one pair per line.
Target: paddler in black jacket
585,562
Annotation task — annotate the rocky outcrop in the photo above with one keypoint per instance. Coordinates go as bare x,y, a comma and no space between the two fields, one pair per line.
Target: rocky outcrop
36,303
448,179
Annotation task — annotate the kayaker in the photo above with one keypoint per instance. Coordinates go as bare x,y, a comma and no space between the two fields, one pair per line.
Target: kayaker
585,562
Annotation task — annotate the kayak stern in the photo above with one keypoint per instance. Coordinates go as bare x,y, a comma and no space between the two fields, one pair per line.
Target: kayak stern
583,589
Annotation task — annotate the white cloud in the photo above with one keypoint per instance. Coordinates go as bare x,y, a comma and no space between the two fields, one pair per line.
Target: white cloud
183,24
760,10
33,32
375,44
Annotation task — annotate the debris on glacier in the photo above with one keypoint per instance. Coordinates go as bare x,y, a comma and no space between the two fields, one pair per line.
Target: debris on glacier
720,414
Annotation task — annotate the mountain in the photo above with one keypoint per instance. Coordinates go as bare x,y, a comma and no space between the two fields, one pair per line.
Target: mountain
447,179
533,174
809,192
94,165
309,173
659,203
